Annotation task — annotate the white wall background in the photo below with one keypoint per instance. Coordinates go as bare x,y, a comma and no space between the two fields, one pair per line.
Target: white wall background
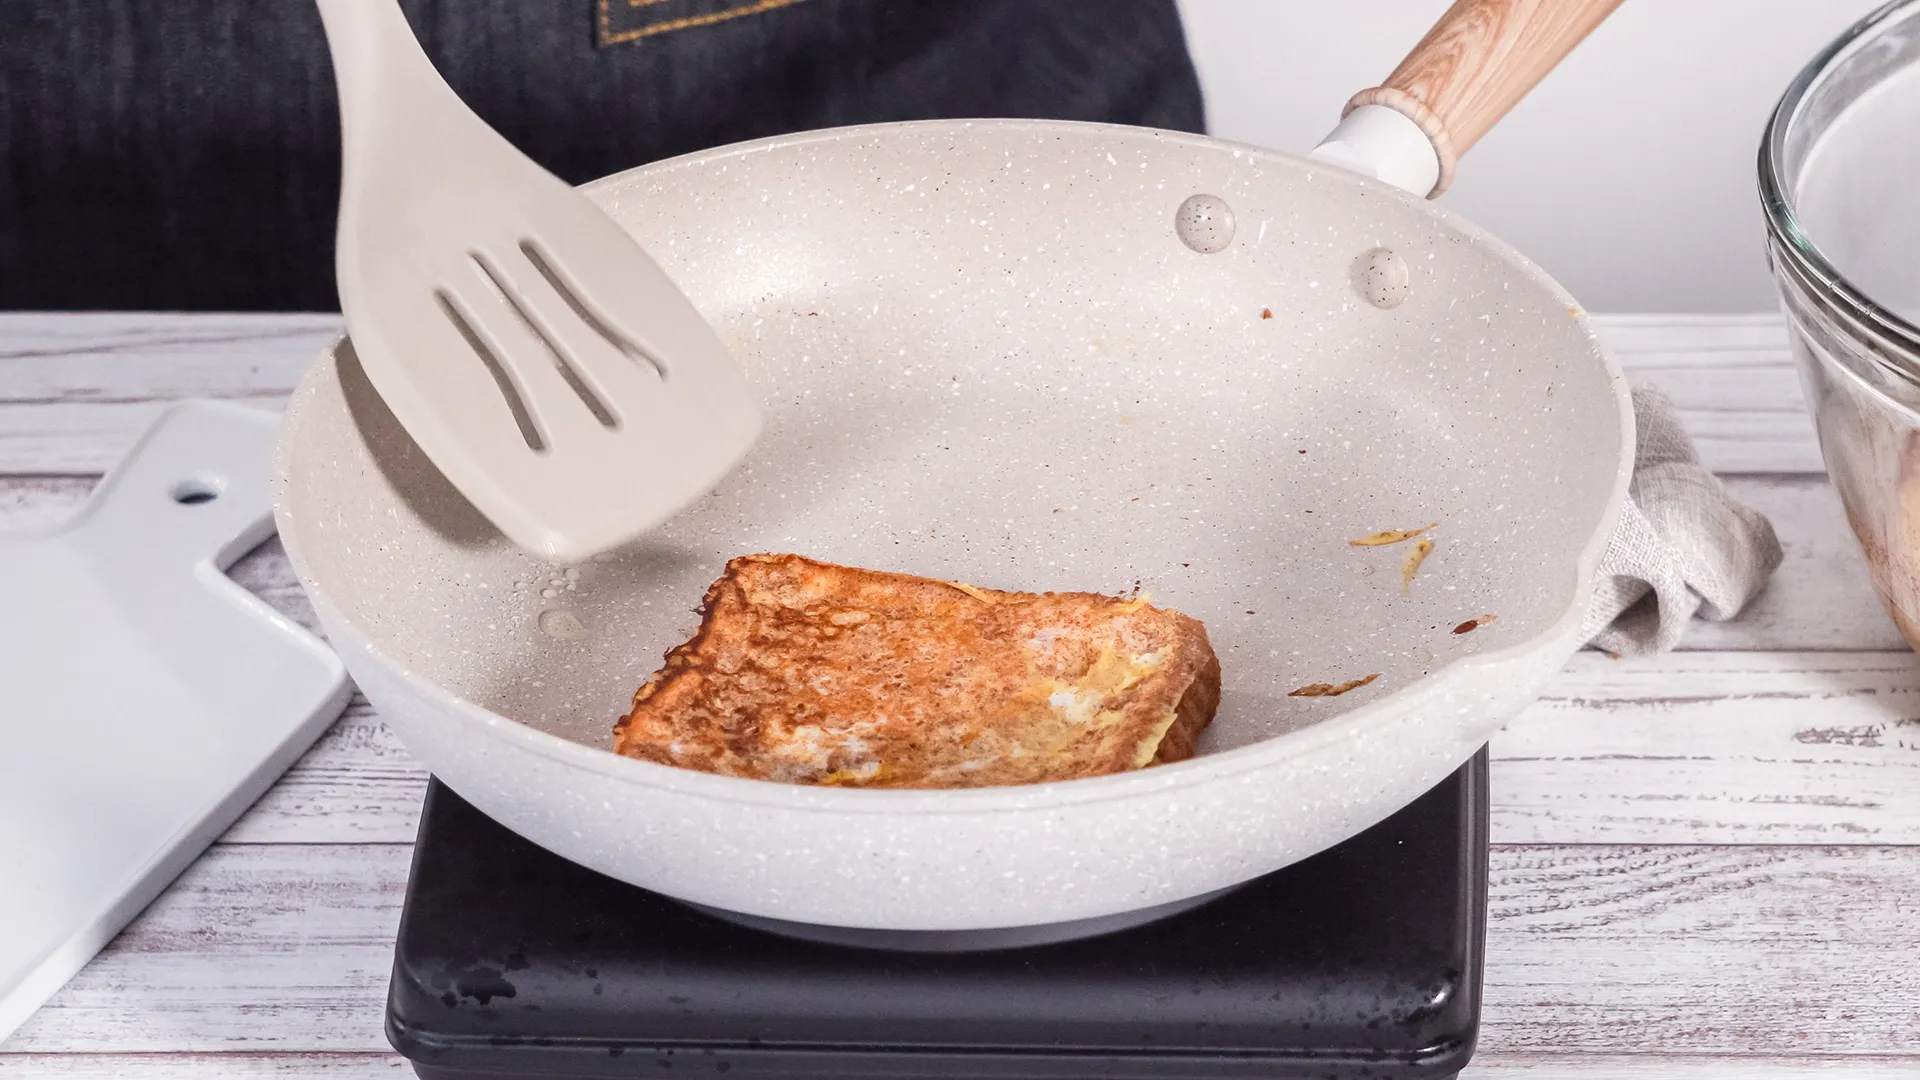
1628,173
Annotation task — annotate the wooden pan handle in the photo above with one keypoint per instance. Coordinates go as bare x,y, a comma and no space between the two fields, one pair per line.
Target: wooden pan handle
1481,58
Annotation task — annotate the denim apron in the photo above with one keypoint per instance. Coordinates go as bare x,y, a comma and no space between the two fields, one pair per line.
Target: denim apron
183,154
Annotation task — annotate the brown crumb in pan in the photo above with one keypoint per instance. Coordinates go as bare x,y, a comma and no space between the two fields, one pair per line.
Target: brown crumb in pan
1321,689
1266,313
1471,625
1411,565
1388,536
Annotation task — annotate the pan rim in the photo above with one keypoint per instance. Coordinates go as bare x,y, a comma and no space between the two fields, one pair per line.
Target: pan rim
1404,703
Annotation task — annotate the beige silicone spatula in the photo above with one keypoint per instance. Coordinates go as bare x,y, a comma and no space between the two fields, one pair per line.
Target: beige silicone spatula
542,361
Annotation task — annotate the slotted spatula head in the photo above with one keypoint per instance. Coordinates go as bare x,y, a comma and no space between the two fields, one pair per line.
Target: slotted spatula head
543,362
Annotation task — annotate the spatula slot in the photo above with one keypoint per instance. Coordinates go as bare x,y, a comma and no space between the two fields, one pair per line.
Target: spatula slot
601,325
566,364
501,377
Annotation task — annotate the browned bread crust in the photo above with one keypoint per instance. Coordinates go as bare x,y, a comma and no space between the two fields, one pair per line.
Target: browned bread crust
805,672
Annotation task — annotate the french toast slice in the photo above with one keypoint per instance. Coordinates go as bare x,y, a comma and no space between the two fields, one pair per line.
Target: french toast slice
809,673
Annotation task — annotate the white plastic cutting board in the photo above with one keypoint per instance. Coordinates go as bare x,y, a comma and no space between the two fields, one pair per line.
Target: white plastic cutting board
145,699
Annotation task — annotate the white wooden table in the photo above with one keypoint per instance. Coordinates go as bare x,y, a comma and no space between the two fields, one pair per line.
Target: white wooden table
1705,864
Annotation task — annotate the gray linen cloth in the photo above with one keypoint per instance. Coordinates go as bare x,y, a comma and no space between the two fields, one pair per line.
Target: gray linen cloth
1683,547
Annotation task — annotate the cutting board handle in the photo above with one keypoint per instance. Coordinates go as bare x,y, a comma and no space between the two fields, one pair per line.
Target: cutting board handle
149,698
1476,63
195,491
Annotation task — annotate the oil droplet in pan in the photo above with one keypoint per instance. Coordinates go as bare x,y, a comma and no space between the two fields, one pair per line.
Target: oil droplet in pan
562,625
1382,277
1204,223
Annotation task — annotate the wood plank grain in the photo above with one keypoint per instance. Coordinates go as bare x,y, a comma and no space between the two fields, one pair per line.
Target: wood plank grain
1695,747
113,356
75,390
1734,380
82,438
256,948
356,785
1820,599
1488,1066
48,357
1722,748
220,1066
1630,335
39,503
1735,951
1770,952
1485,1066
271,955
237,1066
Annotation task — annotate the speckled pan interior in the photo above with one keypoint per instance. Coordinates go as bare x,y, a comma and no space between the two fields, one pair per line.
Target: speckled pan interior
1023,355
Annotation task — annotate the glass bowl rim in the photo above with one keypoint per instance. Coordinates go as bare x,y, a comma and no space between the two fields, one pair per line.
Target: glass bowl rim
1791,241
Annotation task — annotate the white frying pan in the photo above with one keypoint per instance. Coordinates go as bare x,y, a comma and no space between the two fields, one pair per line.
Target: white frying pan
1025,355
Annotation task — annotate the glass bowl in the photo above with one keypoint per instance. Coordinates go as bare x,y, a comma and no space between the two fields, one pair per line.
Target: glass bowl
1840,182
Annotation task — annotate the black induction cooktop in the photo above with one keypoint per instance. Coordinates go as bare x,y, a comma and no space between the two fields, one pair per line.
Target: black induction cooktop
1361,961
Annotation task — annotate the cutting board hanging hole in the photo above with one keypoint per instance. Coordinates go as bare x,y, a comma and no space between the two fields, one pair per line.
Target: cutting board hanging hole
101,805
197,490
